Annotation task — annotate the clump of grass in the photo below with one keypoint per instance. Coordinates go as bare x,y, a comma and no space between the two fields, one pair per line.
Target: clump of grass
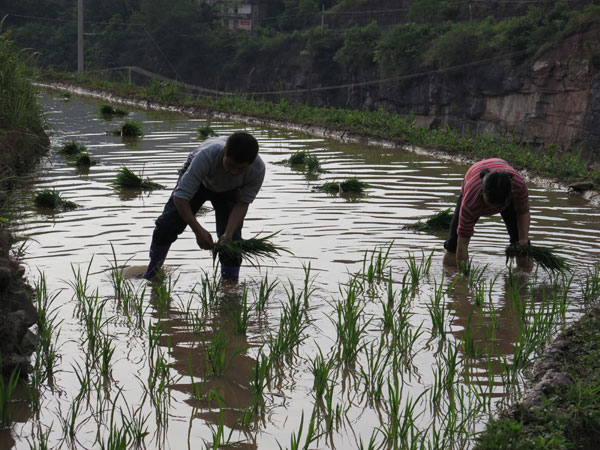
350,186
206,131
250,249
129,129
543,256
71,148
109,110
126,179
298,158
51,199
440,221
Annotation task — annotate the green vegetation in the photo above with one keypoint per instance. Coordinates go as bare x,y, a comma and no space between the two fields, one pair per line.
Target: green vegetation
71,148
349,186
545,257
126,179
250,249
83,159
108,111
52,199
205,131
566,417
440,221
130,130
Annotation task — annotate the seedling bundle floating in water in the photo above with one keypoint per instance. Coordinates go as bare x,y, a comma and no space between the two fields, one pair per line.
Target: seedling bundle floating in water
129,129
440,221
206,131
126,179
350,186
250,249
71,148
543,256
109,110
304,158
51,199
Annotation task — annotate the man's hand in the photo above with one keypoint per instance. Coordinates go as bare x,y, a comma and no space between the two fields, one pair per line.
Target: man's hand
225,237
204,239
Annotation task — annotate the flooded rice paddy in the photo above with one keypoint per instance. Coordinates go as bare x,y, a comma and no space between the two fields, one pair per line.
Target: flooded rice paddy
357,339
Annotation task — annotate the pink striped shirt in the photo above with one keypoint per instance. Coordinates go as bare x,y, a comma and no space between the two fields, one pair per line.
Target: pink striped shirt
473,206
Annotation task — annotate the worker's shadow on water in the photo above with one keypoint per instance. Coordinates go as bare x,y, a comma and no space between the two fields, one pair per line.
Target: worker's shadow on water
205,336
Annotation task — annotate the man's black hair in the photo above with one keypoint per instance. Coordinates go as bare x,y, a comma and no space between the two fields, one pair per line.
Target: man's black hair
242,147
497,185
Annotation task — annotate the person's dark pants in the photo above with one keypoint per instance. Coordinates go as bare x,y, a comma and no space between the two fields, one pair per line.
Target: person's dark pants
170,225
509,216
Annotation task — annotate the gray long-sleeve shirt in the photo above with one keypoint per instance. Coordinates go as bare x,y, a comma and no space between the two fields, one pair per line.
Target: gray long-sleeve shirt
204,167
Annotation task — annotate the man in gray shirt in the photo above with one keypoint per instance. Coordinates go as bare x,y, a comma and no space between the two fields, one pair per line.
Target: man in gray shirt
229,173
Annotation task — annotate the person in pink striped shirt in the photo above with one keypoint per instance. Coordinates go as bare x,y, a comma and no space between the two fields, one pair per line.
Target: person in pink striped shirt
490,186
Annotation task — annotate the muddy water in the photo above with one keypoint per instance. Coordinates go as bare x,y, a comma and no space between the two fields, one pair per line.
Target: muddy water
328,232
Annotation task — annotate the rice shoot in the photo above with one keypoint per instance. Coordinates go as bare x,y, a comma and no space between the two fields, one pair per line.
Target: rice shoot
126,179
440,221
250,249
51,199
109,110
83,160
350,186
543,256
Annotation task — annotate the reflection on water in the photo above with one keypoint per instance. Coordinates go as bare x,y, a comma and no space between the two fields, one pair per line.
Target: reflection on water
331,233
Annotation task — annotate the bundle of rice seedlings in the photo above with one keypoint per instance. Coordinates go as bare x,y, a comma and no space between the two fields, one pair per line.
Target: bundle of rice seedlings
251,249
126,179
129,129
440,221
350,186
206,131
71,148
83,160
298,158
51,199
109,110
311,162
543,256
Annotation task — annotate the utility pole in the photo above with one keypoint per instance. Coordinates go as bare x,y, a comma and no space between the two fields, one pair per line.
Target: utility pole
79,36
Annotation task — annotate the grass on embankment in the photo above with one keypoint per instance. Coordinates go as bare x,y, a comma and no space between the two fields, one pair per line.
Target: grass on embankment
568,418
550,161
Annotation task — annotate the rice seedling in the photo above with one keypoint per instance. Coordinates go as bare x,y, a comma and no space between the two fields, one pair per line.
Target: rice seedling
349,328
252,249
48,332
437,311
468,339
260,380
94,321
373,374
321,370
240,314
42,439
309,283
372,444
119,437
107,351
265,290
69,423
71,149
311,435
81,284
51,199
206,131
420,270
298,158
378,262
126,179
162,294
7,389
439,221
215,351
349,186
543,256
590,287
312,164
109,111
219,439
210,285
293,322
129,129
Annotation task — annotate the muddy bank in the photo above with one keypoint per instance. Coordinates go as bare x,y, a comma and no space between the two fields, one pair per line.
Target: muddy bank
20,151
315,130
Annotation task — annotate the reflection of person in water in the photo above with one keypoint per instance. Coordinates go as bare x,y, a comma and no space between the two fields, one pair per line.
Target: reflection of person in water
490,186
